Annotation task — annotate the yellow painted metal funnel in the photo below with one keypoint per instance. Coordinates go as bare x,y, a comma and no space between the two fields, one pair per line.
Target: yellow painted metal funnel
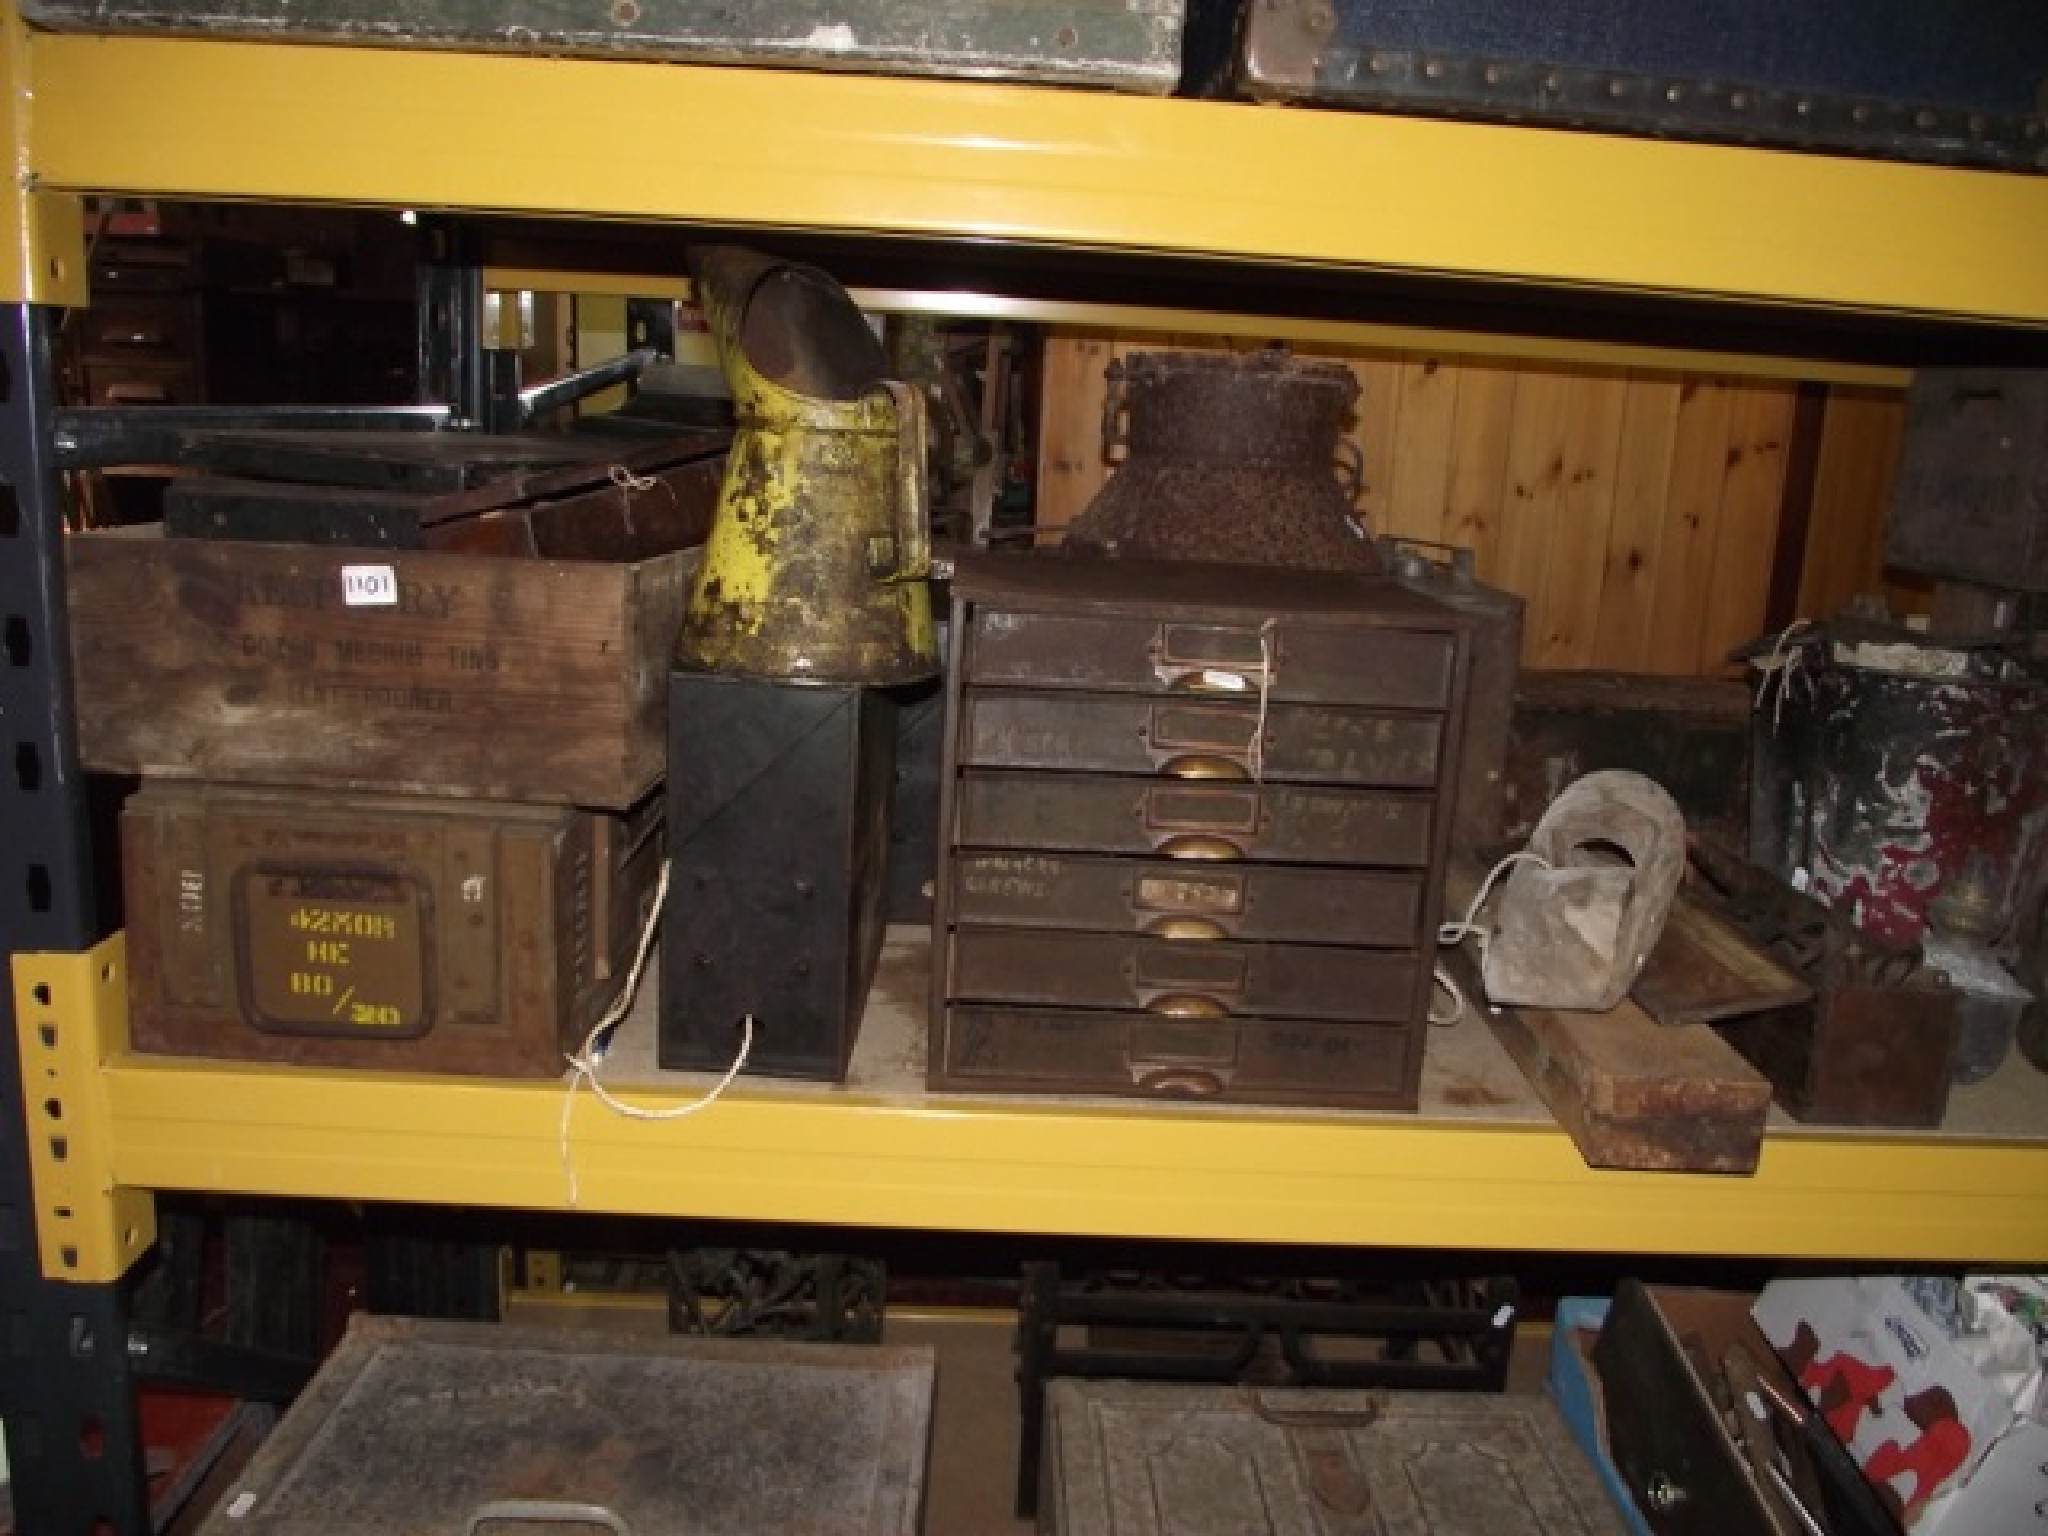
818,557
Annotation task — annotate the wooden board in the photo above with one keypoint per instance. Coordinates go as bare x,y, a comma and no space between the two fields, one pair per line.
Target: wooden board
1702,970
1859,459
1636,513
1632,1093
505,679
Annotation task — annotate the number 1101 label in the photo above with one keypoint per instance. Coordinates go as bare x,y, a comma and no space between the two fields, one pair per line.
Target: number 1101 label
369,586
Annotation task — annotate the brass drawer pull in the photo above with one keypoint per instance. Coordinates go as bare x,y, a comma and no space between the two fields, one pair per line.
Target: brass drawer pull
1203,765
1182,1083
1200,845
1214,680
1185,928
1187,1005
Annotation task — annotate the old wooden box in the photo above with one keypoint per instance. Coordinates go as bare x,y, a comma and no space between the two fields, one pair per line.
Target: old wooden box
778,802
386,670
1193,830
1153,1459
416,1428
1107,43
403,933
551,496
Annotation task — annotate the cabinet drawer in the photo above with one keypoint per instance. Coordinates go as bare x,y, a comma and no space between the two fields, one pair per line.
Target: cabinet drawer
1200,738
140,383
1186,978
1083,813
157,332
1165,896
1284,1061
1309,663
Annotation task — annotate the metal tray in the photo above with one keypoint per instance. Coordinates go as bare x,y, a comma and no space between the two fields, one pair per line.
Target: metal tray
474,1429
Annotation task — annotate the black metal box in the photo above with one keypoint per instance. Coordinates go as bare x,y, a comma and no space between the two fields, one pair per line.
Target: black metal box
1971,502
780,797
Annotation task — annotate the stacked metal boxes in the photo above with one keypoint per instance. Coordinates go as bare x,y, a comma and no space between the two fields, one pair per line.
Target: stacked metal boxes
1193,829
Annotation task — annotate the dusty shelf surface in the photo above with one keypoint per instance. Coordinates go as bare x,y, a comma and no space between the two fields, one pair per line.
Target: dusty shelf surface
1466,1074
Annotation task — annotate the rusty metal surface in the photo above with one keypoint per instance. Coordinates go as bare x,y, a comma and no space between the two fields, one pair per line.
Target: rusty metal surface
1193,816
1299,661
1633,1093
997,1048
1187,977
414,1428
1210,738
1703,969
818,556
1083,813
1164,896
1875,1046
358,931
1689,734
1971,498
1447,574
1232,457
1881,783
1149,1458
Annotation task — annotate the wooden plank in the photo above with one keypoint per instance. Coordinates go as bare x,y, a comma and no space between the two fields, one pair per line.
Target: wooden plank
1692,514
1071,468
1738,586
1852,494
1632,1093
1635,535
1532,496
1479,459
1703,969
1419,497
1576,578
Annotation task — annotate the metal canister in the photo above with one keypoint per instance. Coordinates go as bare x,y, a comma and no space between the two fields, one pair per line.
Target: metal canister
1230,457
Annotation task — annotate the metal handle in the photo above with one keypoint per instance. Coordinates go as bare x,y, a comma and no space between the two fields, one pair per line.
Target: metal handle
1350,469
913,561
1187,1005
1204,765
1200,845
1115,428
1186,929
545,1510
1182,1083
1224,680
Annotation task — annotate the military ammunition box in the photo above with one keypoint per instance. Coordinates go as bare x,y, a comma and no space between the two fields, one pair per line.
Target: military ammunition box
353,931
383,671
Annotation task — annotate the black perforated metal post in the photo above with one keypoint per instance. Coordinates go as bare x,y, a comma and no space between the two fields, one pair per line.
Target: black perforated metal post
66,1394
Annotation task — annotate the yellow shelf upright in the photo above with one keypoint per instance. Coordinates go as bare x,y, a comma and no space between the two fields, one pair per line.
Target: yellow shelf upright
45,231
72,1013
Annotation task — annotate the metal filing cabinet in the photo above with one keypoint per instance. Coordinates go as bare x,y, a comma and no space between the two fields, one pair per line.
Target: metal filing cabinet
1194,821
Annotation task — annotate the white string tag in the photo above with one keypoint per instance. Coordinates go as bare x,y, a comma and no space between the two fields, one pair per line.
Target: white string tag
584,1063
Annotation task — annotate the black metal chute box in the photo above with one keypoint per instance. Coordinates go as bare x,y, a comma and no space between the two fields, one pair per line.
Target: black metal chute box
779,795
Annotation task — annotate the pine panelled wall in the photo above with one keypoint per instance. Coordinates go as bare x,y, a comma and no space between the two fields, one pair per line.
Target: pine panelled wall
1638,513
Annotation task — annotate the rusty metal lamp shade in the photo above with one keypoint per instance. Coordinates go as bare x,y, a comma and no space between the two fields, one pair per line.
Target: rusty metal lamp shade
816,566
1237,458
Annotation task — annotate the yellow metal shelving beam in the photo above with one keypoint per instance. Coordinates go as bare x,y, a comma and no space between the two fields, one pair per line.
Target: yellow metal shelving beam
998,1166
610,139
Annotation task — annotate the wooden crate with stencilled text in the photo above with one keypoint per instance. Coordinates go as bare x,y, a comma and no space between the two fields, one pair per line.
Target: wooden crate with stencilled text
407,933
373,670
